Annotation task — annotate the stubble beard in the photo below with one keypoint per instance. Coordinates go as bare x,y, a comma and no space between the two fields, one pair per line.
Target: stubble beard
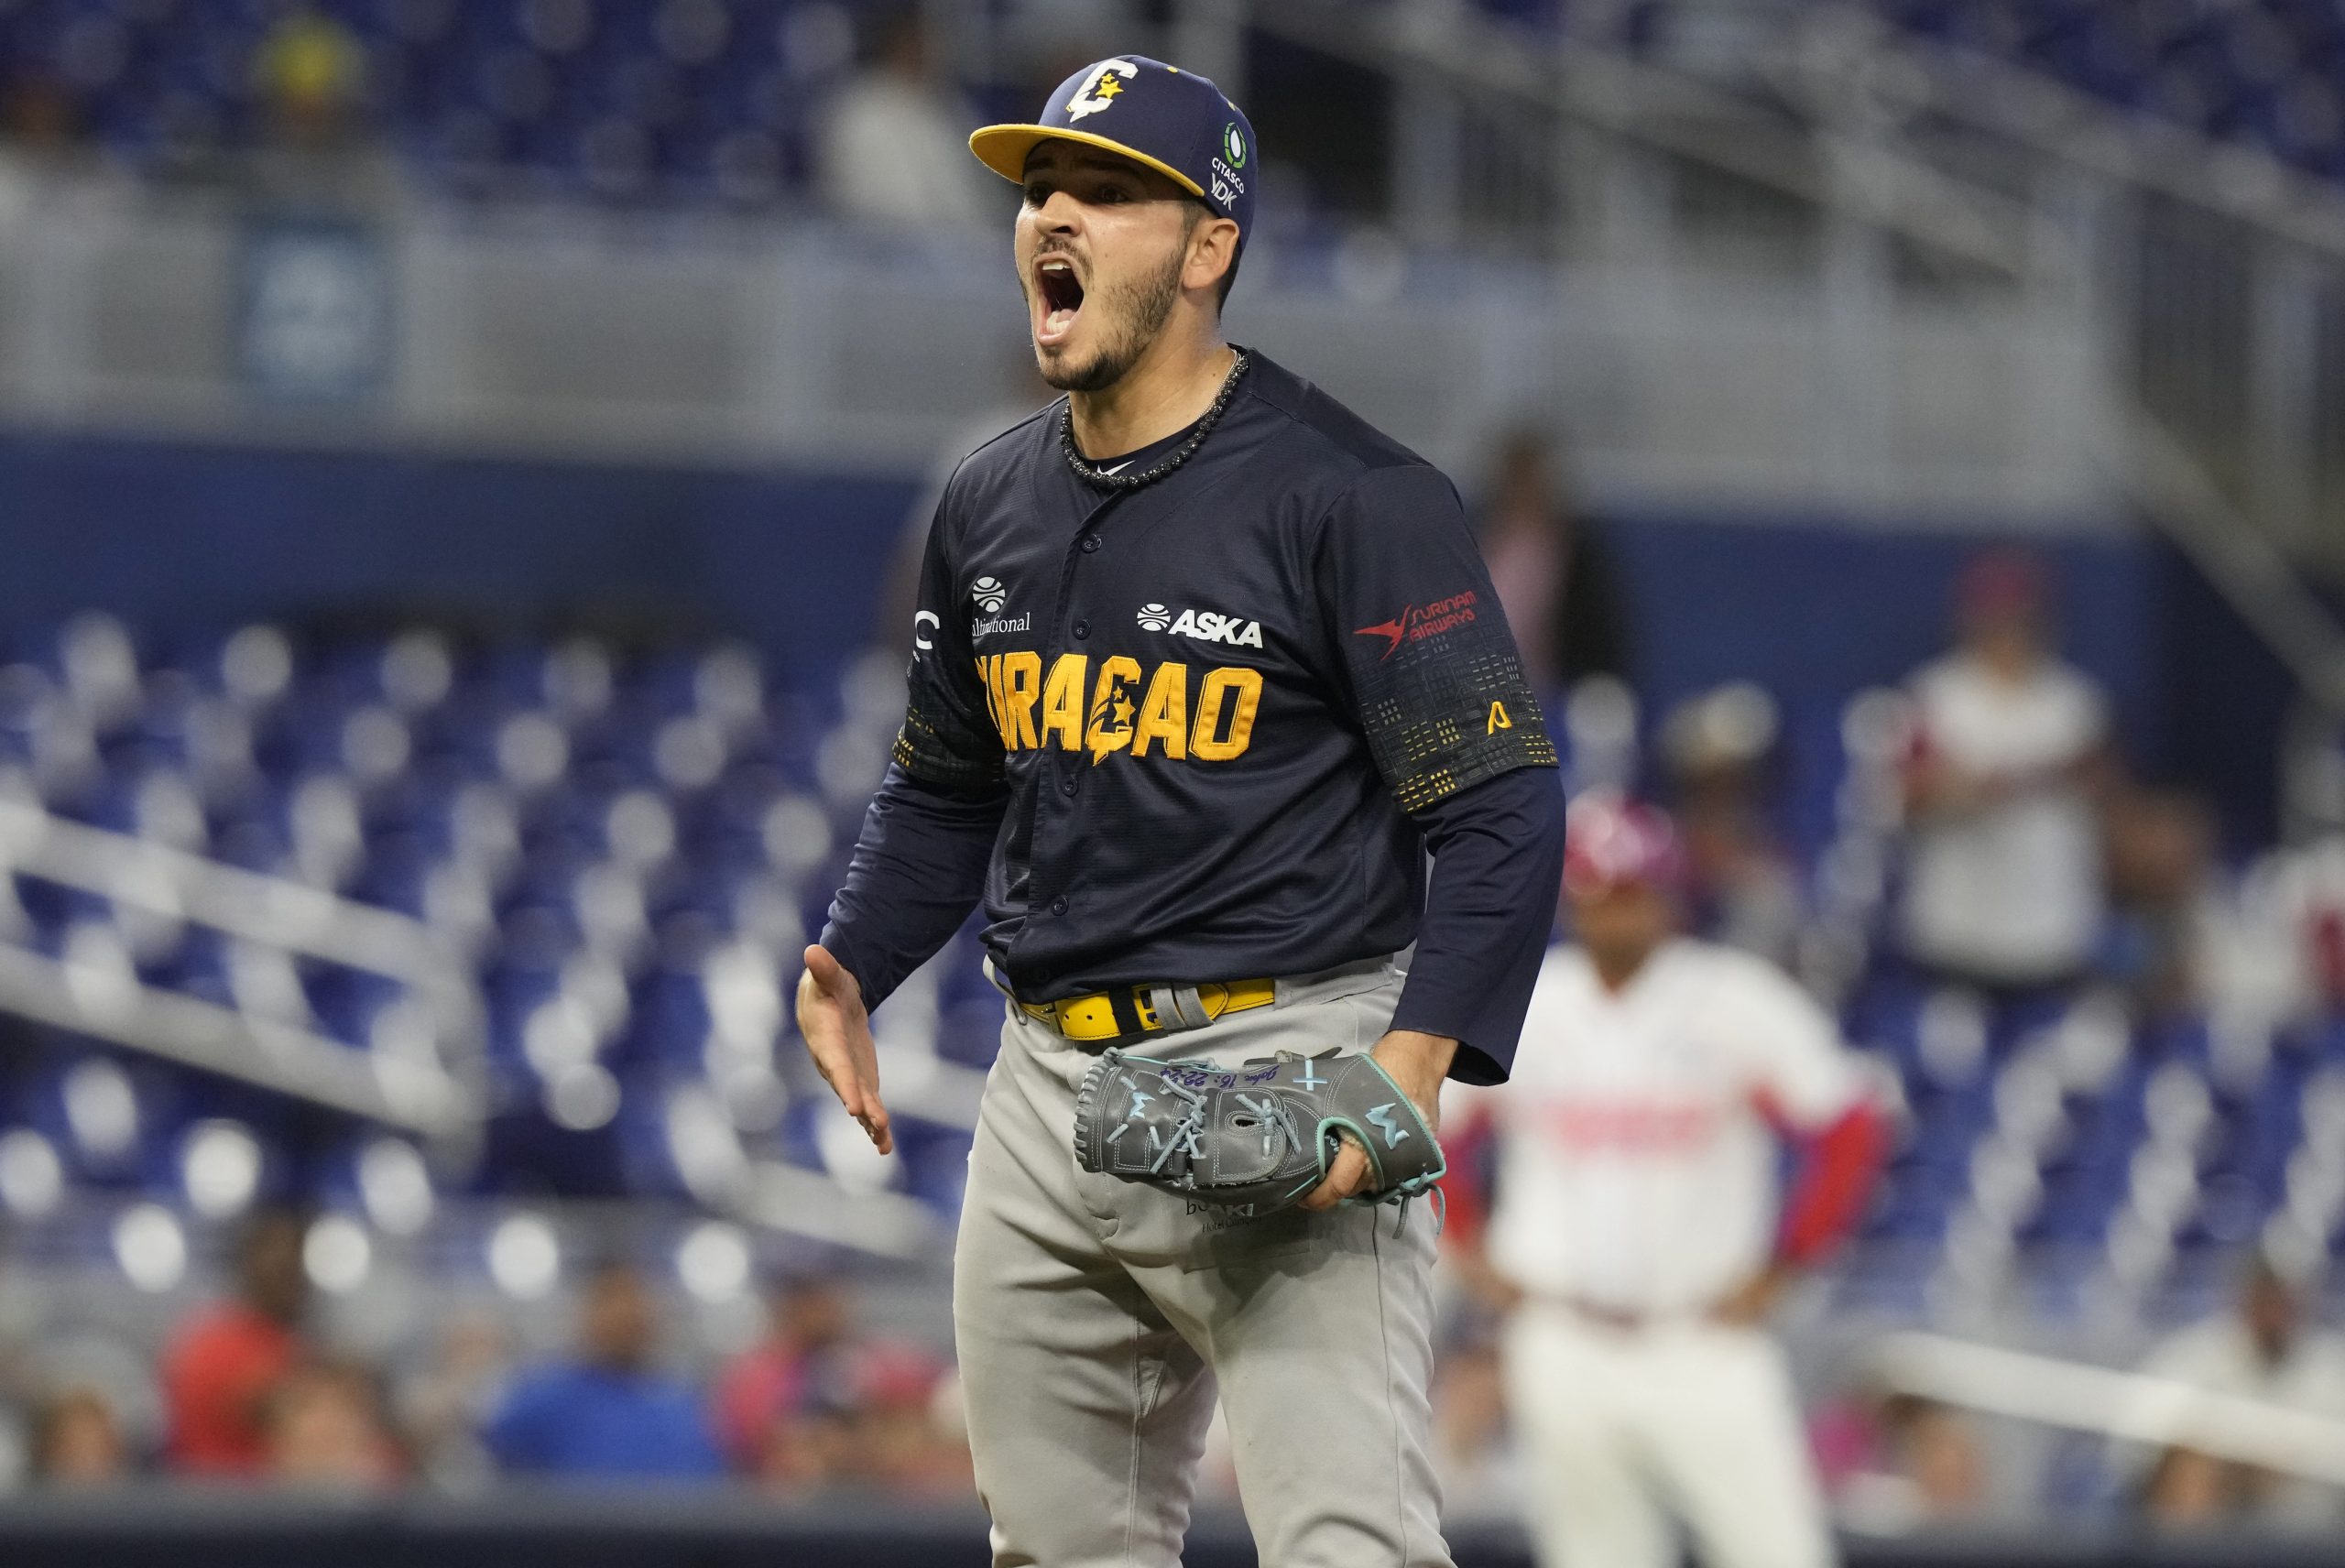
1138,311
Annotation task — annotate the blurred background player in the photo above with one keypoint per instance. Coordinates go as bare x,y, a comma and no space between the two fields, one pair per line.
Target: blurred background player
1635,1237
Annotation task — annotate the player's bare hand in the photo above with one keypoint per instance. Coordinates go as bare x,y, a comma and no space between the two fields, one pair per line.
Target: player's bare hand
837,1031
1751,1304
1417,1063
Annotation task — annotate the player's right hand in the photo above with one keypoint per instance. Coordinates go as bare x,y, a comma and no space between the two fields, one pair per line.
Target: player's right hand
837,1031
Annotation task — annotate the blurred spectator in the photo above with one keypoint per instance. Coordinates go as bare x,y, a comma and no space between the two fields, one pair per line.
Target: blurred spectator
39,129
769,1387
2004,878
325,1428
2165,918
898,1442
1896,1462
1740,886
444,1407
894,143
77,1442
223,1365
2263,1348
818,1405
608,1412
317,149
1552,574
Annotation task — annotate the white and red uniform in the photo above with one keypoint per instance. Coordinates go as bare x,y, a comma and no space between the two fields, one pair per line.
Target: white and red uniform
1636,1188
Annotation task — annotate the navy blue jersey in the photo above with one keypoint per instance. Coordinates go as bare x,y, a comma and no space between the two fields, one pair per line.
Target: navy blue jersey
1207,727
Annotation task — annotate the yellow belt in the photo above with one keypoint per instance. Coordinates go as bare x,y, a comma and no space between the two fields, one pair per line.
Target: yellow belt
1094,1017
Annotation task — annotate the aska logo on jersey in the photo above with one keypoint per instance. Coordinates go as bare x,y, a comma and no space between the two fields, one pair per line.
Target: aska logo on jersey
1418,622
1204,626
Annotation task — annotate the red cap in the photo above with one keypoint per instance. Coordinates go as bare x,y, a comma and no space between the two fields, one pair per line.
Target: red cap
1610,840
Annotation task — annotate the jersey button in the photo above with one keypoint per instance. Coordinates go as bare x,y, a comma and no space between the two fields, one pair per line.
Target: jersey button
1071,784
1058,905
1083,629
1090,544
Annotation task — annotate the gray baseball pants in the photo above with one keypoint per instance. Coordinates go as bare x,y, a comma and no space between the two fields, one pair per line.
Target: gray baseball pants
1098,1319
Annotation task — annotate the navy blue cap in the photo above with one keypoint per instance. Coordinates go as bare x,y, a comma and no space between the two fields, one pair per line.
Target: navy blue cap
1174,121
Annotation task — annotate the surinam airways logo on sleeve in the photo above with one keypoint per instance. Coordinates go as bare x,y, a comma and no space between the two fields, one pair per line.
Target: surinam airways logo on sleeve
1099,88
1418,622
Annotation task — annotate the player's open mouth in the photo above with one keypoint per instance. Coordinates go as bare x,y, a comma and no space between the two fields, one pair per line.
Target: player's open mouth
1059,293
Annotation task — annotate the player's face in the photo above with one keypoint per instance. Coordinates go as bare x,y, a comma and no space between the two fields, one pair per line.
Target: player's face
1621,924
1101,244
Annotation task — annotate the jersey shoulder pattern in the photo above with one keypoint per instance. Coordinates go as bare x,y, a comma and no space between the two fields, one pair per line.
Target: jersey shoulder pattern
1439,685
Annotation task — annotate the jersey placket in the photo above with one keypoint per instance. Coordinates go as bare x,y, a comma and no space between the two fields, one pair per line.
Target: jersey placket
1055,803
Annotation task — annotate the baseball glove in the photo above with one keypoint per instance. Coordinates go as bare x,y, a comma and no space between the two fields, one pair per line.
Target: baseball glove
1253,1139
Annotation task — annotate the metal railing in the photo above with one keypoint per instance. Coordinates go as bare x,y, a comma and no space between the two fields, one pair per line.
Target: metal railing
432,1082
435,1091
2129,1406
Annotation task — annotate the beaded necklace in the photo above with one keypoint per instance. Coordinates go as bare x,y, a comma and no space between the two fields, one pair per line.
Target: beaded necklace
1091,474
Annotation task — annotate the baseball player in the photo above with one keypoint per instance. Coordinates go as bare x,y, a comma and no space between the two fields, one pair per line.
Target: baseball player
1202,667
1635,1233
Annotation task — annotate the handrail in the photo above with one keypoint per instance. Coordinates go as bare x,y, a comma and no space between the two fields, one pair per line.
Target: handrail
1619,94
2130,1406
421,1096
2037,110
192,1032
271,911
418,1096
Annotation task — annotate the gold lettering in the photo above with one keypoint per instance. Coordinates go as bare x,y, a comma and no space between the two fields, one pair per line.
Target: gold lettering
1165,713
1111,710
1062,701
1218,685
989,677
1018,679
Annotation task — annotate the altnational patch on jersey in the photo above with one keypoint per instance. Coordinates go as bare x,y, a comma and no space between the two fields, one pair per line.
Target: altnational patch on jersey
990,595
1447,705
1174,710
1421,623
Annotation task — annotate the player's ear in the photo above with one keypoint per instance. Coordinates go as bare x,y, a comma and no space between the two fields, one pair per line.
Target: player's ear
1211,252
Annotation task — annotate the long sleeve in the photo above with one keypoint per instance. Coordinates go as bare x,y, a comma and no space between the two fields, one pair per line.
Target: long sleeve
1837,1166
1439,693
1498,860
919,868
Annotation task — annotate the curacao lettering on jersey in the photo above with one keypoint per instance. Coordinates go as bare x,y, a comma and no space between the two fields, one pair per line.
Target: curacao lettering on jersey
1122,708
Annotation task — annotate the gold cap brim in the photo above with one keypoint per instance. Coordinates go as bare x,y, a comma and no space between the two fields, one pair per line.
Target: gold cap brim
1004,148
